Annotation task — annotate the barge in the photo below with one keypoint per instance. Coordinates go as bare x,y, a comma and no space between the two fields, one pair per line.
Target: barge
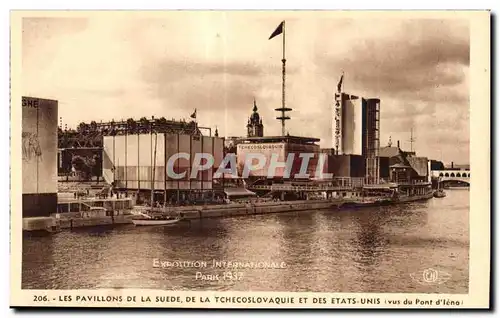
390,194
82,212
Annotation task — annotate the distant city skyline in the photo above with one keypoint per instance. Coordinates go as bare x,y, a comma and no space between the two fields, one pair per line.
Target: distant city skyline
108,67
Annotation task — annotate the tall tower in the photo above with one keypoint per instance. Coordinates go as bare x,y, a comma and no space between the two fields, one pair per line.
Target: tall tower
371,139
255,128
337,118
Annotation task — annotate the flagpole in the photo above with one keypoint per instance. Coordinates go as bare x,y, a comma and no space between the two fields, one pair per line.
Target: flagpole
282,110
283,85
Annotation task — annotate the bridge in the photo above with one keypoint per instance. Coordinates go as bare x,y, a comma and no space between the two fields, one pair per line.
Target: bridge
451,175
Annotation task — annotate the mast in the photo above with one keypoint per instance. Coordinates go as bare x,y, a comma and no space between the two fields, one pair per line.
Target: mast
282,117
411,140
283,60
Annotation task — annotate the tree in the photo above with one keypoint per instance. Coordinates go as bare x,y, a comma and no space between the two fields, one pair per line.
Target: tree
82,127
83,167
131,126
93,126
144,125
160,124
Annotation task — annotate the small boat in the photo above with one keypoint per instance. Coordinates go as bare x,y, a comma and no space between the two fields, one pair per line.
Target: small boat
146,219
439,193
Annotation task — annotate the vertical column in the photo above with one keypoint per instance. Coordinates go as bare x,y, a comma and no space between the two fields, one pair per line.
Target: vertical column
377,141
202,179
337,134
151,161
177,163
138,164
213,167
37,157
190,160
126,166
113,167
165,169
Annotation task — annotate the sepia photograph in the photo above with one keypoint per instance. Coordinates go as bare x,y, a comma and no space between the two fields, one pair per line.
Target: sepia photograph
250,152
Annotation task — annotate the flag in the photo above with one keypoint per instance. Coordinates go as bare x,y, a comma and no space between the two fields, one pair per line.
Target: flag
193,115
278,30
339,85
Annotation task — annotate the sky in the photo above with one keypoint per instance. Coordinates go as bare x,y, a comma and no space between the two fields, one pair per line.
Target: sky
116,66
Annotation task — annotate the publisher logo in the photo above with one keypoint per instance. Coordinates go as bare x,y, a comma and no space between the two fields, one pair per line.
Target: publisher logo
430,276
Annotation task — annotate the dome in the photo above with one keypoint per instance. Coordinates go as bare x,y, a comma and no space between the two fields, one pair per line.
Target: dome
255,117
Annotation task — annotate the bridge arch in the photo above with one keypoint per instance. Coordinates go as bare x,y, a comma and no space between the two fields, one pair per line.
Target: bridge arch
452,175
447,174
441,174
454,180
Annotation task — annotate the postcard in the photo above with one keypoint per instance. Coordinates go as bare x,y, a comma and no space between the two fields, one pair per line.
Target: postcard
250,159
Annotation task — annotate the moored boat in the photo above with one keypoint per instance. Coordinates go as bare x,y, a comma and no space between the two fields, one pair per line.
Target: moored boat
145,219
439,193
364,203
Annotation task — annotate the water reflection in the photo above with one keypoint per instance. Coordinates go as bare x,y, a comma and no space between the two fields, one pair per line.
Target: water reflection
365,250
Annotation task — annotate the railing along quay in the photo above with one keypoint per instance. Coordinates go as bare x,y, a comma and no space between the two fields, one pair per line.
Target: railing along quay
298,188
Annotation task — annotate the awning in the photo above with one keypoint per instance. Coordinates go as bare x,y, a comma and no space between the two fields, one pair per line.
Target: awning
228,176
238,192
400,166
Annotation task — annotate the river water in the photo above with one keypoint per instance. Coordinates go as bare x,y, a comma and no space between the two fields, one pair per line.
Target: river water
383,249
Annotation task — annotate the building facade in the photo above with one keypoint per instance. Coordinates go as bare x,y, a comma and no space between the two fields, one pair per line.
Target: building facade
255,128
39,156
280,147
139,162
404,167
352,125
357,133
86,141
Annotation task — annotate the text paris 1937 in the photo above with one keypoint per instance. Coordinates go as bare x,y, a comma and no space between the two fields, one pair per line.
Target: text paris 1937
224,276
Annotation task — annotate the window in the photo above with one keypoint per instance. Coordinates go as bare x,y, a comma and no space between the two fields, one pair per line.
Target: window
62,208
74,207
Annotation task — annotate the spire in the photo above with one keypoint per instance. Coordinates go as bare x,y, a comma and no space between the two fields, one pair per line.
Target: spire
216,132
390,141
254,126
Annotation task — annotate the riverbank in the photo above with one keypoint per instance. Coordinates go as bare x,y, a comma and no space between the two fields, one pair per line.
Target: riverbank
71,221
